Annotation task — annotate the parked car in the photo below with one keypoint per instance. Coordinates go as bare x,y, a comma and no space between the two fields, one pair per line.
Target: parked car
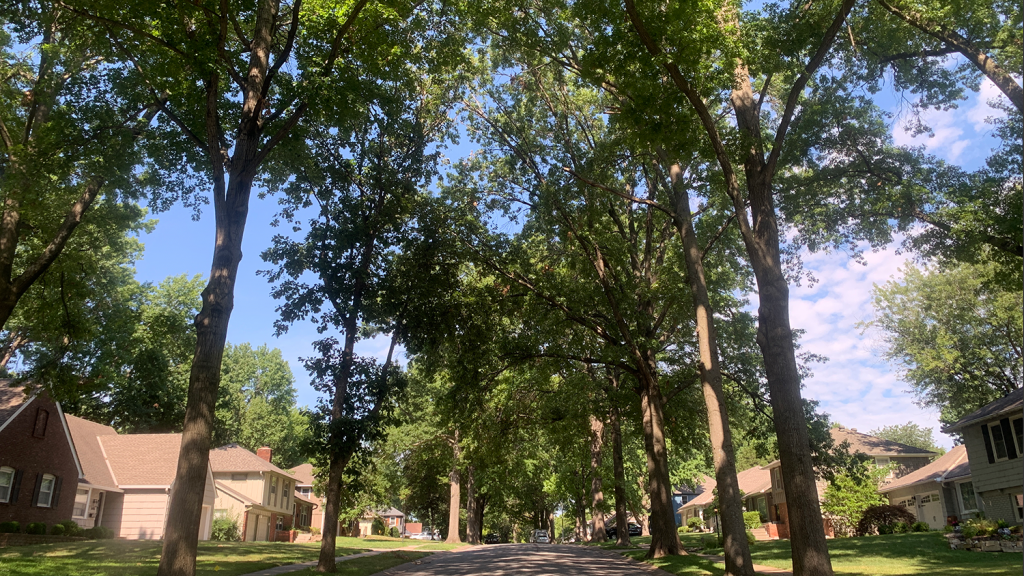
635,530
492,538
540,537
612,531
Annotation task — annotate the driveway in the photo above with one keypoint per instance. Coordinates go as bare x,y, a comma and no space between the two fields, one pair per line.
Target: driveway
527,560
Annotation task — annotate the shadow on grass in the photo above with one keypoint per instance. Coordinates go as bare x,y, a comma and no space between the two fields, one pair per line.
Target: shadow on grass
372,564
683,565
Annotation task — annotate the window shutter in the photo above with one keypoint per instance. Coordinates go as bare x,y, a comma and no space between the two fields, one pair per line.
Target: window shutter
16,486
35,493
56,493
988,444
1011,451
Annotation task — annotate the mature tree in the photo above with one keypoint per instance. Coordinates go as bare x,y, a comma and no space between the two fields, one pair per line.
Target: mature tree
910,434
68,144
955,335
256,404
849,495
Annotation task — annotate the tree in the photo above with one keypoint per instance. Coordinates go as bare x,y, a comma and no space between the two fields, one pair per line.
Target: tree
954,333
910,434
848,496
256,404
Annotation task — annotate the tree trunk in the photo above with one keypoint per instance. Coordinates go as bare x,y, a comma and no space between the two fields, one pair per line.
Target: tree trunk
596,492
326,561
621,526
736,549
454,500
473,517
664,538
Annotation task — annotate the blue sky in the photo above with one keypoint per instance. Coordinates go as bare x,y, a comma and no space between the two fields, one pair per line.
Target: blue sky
855,386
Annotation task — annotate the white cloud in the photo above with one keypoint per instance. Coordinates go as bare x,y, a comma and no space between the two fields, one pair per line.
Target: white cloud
982,110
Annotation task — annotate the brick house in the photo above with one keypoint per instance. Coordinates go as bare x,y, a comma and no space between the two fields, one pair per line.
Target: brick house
251,489
303,475
39,467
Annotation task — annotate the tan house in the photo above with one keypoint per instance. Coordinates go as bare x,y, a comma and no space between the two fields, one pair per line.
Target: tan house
941,489
127,481
251,489
754,482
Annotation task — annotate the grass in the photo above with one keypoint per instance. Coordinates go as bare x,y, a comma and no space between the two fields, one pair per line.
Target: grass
890,555
371,564
140,558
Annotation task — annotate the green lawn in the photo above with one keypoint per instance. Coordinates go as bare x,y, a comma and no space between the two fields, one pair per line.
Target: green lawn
896,554
140,558
385,542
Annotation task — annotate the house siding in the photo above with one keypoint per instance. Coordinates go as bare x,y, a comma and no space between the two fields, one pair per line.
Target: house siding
113,509
143,514
32,457
997,476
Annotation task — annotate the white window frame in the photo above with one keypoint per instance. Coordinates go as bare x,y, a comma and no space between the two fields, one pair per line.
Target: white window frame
10,472
995,455
48,493
964,510
286,495
1016,507
85,509
273,490
1016,440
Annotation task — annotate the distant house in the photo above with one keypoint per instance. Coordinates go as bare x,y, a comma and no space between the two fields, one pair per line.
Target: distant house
753,482
904,459
39,467
303,475
127,481
994,439
392,517
260,495
941,489
303,512
412,529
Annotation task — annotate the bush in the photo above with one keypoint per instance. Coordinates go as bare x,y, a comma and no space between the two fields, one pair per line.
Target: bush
750,538
900,528
57,530
875,518
969,531
695,523
71,528
314,531
225,529
394,533
710,541
752,520
11,527
35,528
378,527
98,533
684,530
920,527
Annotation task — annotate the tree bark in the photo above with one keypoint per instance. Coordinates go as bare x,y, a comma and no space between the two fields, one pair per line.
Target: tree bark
454,500
736,549
621,525
596,492
664,538
473,518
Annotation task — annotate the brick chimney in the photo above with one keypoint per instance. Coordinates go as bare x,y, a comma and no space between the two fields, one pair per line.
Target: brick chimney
264,453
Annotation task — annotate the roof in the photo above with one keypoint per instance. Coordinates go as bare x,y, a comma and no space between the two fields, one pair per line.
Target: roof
11,400
303,474
875,446
951,465
234,458
142,459
85,435
392,513
1012,402
302,498
755,480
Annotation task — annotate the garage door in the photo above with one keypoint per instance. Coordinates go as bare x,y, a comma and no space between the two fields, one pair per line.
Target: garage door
929,509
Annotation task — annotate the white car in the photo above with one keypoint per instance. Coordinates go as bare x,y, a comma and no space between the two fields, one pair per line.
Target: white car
540,537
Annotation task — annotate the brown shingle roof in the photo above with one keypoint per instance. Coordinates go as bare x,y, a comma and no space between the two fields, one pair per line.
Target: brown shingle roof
142,459
234,458
303,474
952,464
85,435
874,446
11,398
752,481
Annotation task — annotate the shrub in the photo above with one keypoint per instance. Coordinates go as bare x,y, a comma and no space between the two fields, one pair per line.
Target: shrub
710,541
695,523
378,527
969,531
920,527
394,533
35,528
875,517
900,528
1002,523
850,495
752,520
684,530
750,538
57,530
11,527
314,531
71,528
98,533
225,529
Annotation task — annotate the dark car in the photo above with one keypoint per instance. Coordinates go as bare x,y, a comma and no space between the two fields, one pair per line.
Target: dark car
634,530
492,538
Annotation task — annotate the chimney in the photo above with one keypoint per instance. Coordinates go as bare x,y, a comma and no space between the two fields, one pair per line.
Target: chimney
264,453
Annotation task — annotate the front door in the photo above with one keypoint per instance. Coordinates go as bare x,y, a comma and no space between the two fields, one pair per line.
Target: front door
929,509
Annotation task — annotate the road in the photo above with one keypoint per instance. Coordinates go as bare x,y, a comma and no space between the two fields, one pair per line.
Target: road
526,560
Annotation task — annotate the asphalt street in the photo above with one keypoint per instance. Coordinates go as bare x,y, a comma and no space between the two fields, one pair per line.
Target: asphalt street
526,560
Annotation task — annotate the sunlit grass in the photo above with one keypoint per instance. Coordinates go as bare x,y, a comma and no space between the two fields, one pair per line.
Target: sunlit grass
372,564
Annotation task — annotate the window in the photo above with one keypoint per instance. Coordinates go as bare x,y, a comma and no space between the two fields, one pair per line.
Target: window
1018,432
240,477
968,500
46,491
303,518
81,503
286,496
273,490
42,416
995,430
280,522
777,478
1017,500
304,491
6,482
